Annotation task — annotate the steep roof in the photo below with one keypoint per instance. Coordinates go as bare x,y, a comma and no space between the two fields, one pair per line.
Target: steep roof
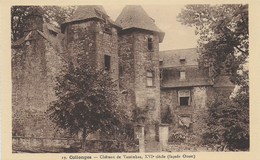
87,12
56,41
223,81
171,58
134,16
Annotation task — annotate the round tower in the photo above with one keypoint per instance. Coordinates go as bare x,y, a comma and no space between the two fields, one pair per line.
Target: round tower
139,61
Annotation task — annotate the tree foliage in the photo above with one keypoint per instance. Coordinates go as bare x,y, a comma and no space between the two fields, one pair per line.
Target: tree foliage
224,46
223,32
168,116
52,14
86,102
228,125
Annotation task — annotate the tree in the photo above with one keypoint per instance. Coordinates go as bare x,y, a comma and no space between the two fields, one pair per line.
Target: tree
168,116
227,125
52,14
224,45
223,31
86,102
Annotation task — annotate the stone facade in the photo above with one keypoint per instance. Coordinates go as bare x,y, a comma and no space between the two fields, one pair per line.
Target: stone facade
135,61
129,50
89,42
35,65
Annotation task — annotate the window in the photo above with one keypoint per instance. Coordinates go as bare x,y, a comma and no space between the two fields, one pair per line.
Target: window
108,29
150,44
184,97
107,62
53,33
160,61
182,75
150,78
182,59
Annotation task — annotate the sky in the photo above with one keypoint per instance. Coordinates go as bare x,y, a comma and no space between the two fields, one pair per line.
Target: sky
177,36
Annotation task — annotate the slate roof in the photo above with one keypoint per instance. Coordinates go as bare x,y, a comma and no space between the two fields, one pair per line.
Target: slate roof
172,65
171,58
134,16
87,12
223,81
56,42
191,83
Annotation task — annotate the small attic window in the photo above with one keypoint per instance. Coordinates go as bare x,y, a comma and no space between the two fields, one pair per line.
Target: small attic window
53,33
160,61
150,44
108,29
182,59
182,75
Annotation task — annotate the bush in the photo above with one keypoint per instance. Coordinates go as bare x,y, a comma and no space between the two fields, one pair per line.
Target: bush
228,124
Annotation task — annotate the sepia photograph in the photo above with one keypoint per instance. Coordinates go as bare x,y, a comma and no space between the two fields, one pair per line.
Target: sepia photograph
130,78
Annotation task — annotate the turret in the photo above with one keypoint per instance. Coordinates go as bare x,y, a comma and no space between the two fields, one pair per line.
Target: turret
139,61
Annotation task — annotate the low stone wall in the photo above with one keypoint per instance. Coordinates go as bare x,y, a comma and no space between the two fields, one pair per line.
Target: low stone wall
28,142
70,144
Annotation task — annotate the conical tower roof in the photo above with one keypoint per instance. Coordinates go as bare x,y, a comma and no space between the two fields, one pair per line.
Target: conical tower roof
134,16
88,12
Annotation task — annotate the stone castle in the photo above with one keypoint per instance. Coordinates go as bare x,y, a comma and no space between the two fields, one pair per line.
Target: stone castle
167,83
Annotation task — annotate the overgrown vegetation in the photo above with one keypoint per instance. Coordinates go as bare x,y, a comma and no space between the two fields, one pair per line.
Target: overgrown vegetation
224,47
87,103
168,116
52,14
228,125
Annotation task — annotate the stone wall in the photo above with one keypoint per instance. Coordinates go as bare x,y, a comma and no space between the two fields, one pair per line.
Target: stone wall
66,145
199,99
80,42
127,72
88,42
135,60
29,74
145,60
107,44
35,66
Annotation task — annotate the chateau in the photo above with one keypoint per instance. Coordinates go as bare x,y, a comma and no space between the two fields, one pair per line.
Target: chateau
168,83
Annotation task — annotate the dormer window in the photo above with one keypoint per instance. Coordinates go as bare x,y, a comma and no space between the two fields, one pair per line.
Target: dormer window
182,59
160,61
53,33
150,44
108,29
182,75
